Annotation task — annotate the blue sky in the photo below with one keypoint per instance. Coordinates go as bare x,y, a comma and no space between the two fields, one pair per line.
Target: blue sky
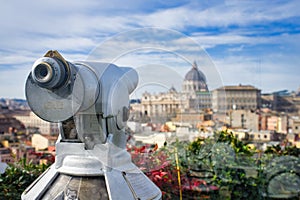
250,42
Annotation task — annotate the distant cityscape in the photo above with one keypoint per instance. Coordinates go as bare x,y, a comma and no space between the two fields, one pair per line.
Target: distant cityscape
156,118
243,109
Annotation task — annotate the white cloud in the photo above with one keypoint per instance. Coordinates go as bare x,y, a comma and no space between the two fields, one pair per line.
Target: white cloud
222,15
30,28
264,73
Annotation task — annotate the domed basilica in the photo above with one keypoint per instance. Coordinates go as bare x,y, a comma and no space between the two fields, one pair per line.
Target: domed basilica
193,99
194,81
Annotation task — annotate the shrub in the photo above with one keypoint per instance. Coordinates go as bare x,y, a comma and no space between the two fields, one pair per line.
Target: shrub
17,178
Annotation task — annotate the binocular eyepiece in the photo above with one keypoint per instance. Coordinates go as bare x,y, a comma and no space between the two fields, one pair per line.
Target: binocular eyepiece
49,73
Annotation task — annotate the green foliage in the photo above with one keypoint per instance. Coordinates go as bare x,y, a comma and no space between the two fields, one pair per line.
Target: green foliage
222,162
17,178
238,145
195,146
246,173
229,159
287,150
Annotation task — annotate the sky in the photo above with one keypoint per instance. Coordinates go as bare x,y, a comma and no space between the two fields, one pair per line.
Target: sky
254,42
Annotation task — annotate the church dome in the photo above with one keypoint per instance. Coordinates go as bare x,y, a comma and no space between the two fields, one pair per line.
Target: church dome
194,80
195,75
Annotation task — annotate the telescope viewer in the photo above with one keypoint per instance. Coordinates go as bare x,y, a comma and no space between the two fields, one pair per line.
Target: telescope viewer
90,102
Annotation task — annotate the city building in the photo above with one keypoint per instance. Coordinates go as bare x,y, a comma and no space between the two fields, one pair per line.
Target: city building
274,121
21,151
236,106
244,119
13,104
6,155
33,122
194,81
189,103
252,136
163,105
295,125
42,142
282,101
195,90
240,97
10,124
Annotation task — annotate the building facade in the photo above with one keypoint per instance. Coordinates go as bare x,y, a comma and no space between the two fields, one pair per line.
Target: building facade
244,119
193,98
282,101
240,97
163,104
32,121
41,142
274,121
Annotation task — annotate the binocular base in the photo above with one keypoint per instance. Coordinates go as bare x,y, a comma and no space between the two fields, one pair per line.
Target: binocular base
104,173
113,185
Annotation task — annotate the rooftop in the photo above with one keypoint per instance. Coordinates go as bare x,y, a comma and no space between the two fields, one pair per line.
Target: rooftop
238,87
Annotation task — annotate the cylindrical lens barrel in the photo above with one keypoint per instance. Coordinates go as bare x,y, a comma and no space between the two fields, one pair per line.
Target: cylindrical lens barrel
43,72
49,73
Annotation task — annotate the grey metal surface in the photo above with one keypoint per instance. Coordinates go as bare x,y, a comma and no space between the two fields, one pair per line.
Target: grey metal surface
77,187
106,167
90,100
40,185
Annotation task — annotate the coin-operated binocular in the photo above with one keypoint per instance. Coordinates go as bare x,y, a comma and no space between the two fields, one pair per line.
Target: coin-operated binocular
90,101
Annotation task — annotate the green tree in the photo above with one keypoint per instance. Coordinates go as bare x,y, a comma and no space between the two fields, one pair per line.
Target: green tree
17,178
